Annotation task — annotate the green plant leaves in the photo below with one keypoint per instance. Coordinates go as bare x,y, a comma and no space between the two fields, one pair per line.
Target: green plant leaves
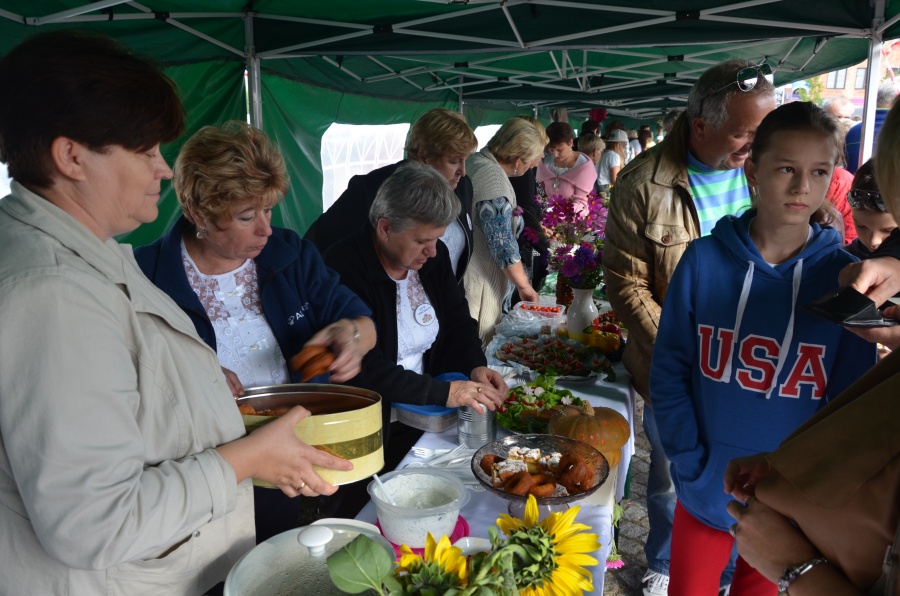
361,565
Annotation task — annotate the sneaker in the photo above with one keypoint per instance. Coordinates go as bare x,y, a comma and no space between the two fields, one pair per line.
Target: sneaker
725,590
655,584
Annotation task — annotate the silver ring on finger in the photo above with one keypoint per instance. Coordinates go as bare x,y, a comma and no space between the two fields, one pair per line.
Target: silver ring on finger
732,530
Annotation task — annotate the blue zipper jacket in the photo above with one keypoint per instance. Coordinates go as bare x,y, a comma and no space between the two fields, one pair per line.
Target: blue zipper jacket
299,294
737,364
854,138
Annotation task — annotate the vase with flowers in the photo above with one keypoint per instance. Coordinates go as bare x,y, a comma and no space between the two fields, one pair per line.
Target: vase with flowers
576,229
532,557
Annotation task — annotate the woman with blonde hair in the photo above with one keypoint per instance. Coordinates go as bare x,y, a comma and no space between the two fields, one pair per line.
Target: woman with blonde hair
495,267
256,294
440,138
612,160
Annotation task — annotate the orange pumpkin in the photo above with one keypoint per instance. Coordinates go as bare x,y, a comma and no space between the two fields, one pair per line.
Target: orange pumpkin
604,429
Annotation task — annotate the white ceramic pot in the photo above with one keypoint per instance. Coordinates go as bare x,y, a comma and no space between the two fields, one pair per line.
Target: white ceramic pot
581,313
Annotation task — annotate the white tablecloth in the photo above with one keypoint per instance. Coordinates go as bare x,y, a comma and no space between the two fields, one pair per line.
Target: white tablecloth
484,507
613,395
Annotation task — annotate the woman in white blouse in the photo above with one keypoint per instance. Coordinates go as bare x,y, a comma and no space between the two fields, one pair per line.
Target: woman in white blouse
255,293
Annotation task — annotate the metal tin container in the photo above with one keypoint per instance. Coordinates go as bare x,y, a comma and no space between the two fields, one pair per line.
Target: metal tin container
345,421
475,429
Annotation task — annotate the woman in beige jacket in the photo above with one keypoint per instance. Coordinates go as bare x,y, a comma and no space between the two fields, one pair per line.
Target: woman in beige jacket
123,469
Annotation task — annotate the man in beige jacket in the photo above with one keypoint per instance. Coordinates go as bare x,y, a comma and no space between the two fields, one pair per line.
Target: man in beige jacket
666,197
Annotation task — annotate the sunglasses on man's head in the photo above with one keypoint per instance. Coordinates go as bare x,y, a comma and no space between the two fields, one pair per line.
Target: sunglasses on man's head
866,199
746,79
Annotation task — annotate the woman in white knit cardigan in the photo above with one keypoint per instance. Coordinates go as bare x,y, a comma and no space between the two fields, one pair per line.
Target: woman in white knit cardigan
495,267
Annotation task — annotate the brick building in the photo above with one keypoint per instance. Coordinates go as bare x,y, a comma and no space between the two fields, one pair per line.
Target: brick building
851,82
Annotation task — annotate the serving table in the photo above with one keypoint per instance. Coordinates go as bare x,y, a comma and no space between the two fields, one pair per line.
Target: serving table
483,507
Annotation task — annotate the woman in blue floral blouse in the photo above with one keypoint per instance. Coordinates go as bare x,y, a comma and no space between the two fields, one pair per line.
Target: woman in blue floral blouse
495,267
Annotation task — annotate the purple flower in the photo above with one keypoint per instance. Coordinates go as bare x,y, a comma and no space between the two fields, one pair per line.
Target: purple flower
584,254
551,219
570,268
531,235
561,251
517,211
556,201
576,281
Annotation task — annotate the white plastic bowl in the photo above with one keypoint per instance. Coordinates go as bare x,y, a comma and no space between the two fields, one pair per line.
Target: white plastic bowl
426,501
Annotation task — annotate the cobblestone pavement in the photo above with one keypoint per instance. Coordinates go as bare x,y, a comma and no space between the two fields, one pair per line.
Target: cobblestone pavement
633,525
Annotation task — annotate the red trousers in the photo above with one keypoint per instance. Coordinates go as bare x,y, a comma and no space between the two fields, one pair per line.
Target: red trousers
700,554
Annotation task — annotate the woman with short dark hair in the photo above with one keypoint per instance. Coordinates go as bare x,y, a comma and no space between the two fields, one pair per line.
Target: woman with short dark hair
565,171
401,271
440,138
125,466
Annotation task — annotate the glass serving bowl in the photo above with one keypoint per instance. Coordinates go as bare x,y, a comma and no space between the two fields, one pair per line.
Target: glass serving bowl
546,443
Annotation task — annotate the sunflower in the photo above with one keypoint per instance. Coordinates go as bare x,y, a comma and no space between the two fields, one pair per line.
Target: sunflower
554,552
442,560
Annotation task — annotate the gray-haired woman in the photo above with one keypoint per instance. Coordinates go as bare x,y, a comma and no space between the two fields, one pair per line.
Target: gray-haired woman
401,271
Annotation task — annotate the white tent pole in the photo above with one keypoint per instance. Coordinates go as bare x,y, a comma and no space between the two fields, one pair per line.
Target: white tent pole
460,94
253,74
873,79
74,12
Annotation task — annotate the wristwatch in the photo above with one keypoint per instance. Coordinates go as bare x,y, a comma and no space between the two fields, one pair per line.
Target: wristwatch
792,573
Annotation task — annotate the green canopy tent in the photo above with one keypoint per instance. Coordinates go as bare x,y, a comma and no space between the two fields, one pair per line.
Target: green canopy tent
360,62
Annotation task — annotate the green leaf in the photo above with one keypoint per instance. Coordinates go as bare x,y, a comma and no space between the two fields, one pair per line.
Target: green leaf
361,565
393,585
545,381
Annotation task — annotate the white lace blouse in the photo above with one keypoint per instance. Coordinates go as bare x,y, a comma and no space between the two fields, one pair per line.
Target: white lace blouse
245,343
417,324
455,239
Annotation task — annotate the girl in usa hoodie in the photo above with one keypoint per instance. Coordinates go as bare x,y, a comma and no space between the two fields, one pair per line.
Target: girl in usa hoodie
737,363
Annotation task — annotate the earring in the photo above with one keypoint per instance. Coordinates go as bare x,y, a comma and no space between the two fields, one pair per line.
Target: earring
515,171
201,233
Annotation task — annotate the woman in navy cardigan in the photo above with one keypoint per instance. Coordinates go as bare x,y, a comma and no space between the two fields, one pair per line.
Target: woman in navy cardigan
256,294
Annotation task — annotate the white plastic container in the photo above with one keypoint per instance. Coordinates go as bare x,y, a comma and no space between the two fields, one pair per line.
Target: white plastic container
427,500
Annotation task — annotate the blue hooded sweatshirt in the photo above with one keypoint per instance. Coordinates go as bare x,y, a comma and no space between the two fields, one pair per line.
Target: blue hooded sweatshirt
737,364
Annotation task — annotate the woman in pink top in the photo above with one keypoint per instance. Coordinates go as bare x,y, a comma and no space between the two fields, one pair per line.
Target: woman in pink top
564,171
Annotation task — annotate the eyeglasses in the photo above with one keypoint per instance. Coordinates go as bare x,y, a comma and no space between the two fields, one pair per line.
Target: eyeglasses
866,199
746,79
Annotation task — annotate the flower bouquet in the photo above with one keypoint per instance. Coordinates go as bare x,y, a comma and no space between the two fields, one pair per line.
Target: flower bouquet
533,558
576,229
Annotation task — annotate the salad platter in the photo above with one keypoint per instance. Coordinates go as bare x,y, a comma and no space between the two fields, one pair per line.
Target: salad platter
528,408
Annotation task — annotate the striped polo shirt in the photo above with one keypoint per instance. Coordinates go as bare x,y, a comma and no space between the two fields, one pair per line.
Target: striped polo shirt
717,193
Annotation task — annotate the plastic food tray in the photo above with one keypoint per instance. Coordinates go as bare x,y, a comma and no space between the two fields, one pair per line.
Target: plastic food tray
432,419
548,311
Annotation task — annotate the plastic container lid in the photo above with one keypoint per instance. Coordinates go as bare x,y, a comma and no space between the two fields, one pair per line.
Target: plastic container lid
425,410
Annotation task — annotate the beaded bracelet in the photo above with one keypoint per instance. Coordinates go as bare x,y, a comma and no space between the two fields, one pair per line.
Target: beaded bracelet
792,573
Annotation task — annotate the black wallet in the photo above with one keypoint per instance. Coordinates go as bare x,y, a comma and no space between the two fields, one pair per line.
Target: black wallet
849,308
